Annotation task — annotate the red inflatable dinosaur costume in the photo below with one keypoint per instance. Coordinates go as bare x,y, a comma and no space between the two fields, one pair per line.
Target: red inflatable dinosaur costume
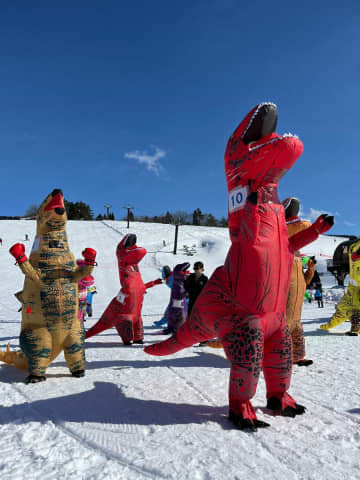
124,311
244,302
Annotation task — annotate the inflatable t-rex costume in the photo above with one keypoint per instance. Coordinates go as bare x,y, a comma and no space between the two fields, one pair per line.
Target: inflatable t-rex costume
124,311
349,305
50,322
244,302
298,282
177,308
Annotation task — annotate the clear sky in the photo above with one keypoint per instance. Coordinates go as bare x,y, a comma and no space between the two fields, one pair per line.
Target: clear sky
124,102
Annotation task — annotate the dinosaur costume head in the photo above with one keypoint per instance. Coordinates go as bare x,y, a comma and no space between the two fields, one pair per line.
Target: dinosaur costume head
256,158
51,248
292,207
51,215
127,252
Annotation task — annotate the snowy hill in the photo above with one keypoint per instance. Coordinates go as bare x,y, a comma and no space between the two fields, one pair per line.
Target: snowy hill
135,416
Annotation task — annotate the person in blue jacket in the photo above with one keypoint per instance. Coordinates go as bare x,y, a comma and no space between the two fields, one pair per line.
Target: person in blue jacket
167,276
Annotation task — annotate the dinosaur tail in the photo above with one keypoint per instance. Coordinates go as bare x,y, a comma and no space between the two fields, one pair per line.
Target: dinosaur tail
17,358
186,336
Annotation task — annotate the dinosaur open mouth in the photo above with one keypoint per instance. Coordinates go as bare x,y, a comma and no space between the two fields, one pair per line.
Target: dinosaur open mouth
262,123
56,203
185,267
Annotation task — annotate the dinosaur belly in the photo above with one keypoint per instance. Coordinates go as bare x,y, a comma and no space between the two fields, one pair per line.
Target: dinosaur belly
258,263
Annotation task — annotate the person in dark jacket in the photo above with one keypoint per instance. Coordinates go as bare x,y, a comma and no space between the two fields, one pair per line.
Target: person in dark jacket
194,283
319,295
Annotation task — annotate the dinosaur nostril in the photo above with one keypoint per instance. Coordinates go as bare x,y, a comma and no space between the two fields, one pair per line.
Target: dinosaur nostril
59,211
56,191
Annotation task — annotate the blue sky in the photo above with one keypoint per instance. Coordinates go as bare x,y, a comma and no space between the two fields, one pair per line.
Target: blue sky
133,102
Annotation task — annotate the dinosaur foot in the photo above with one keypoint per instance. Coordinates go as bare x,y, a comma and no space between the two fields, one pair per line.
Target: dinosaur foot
285,406
35,378
78,373
246,423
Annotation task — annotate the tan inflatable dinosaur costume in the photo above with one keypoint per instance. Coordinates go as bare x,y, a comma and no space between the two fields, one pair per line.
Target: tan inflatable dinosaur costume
49,298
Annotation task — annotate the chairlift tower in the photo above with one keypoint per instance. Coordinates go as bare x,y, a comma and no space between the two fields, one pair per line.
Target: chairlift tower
107,206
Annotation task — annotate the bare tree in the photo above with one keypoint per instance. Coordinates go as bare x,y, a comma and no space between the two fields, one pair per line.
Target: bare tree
180,217
32,210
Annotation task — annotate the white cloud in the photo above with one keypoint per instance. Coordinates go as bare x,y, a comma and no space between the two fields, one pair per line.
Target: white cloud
349,224
151,161
313,214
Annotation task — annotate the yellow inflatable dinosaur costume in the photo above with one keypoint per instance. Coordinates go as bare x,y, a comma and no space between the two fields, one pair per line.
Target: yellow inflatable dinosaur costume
49,298
349,305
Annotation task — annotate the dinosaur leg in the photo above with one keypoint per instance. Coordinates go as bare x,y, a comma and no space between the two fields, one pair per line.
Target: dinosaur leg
298,341
125,328
343,311
74,352
243,346
138,330
277,366
355,324
37,345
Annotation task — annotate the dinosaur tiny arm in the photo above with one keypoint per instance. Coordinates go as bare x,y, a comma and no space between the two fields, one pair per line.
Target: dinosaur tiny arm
82,272
30,272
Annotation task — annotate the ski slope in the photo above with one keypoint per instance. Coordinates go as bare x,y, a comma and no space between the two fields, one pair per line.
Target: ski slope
138,417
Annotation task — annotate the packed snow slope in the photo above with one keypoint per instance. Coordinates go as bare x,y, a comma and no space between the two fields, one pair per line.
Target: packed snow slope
135,417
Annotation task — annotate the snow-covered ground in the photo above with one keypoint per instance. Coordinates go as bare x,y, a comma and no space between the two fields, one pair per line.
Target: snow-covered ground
134,416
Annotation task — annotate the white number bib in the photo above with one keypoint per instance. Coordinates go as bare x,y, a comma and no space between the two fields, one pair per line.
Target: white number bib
237,198
177,303
120,297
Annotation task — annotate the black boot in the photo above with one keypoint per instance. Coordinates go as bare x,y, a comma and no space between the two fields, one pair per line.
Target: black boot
140,342
35,378
78,373
245,423
274,404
